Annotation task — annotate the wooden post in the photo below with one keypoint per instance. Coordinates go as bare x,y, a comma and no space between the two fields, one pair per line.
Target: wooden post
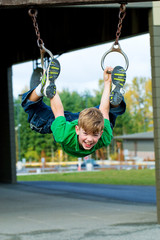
7,142
154,29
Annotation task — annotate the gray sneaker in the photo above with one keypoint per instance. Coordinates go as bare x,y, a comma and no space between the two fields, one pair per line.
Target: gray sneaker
118,80
49,77
36,77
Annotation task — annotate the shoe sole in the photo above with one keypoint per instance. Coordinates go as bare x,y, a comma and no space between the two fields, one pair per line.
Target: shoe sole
115,97
51,90
53,70
52,74
118,79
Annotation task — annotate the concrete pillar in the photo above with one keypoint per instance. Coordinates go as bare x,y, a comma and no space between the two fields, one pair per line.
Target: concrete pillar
154,29
7,135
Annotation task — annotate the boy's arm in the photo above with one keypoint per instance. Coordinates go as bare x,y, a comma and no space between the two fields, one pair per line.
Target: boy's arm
105,104
57,106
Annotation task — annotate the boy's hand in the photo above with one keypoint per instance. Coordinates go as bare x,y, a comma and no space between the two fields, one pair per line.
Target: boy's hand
106,75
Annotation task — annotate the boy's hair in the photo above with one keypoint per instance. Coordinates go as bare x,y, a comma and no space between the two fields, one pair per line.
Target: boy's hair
91,120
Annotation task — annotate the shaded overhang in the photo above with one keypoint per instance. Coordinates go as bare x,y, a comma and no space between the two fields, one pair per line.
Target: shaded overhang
65,25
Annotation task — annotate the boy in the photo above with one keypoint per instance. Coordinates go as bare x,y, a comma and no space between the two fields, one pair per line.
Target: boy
79,134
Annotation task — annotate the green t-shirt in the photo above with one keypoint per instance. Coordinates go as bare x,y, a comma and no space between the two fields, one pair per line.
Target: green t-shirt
65,134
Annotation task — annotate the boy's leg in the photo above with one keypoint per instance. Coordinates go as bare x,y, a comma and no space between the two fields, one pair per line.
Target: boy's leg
34,97
40,116
116,111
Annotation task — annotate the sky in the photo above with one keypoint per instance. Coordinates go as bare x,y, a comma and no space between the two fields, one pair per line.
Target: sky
81,69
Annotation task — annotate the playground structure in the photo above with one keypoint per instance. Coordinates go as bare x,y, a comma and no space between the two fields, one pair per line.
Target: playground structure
77,24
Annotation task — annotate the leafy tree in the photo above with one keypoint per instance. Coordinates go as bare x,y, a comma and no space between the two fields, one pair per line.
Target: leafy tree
139,103
72,101
31,155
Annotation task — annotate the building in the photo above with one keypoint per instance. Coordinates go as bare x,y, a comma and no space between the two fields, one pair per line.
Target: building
138,145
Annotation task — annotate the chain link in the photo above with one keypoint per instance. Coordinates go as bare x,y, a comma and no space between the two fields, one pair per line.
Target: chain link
122,14
33,14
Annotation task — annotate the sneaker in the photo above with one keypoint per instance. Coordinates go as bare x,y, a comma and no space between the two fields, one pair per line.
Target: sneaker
49,77
118,80
36,77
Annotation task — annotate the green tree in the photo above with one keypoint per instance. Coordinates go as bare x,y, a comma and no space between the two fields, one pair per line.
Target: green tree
31,155
139,103
72,101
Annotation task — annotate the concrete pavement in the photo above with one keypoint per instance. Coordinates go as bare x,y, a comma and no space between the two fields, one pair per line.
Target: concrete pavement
28,212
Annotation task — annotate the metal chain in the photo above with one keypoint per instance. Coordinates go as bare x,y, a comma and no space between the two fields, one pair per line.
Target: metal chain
33,14
122,14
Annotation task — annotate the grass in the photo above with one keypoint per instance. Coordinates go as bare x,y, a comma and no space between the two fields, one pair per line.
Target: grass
117,177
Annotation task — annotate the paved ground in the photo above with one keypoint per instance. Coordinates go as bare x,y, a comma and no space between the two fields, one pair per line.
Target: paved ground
29,212
105,192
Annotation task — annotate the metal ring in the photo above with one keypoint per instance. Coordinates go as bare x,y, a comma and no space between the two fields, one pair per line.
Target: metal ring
32,12
113,49
47,51
40,43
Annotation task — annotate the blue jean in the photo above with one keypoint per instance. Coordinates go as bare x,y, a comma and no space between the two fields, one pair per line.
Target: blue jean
40,116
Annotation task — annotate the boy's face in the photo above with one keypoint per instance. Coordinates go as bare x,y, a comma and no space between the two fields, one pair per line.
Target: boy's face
87,141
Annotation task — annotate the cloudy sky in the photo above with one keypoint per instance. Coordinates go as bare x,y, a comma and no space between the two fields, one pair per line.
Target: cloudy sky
81,70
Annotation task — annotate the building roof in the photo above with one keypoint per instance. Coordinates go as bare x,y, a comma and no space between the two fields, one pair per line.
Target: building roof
143,135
